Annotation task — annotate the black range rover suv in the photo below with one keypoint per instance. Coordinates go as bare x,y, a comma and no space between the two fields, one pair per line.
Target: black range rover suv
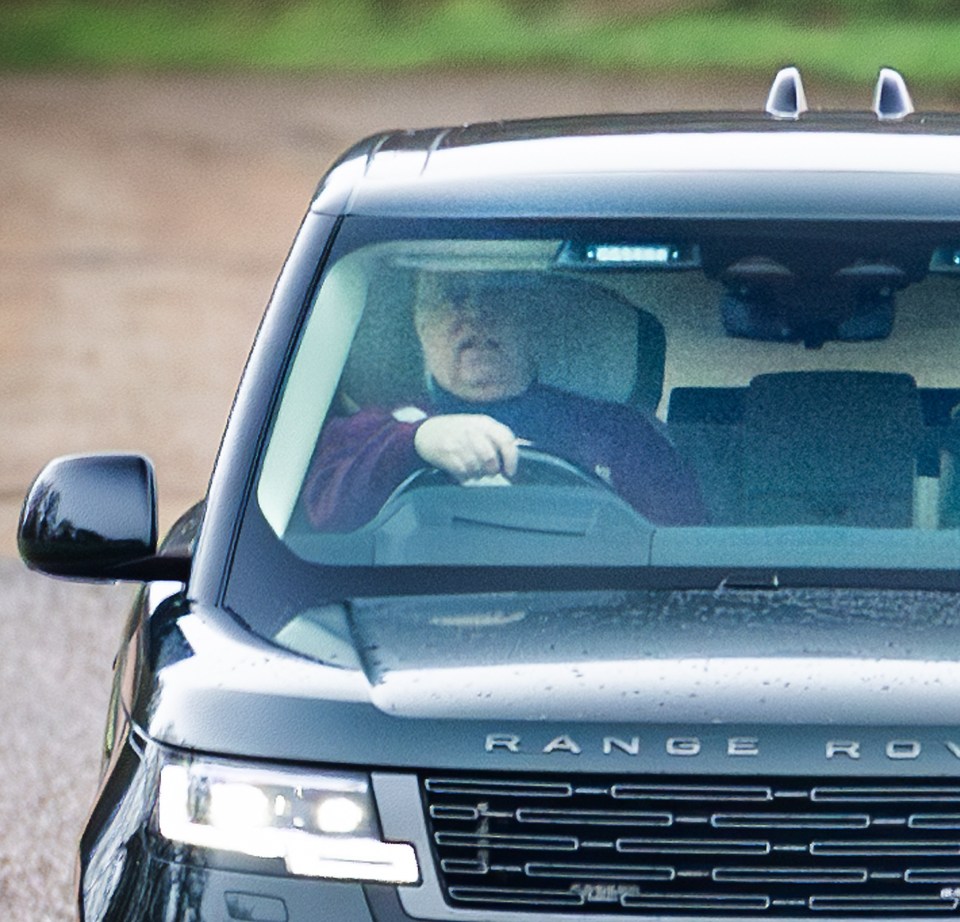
584,542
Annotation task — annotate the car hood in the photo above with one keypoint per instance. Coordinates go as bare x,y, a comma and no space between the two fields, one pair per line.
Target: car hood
470,680
707,657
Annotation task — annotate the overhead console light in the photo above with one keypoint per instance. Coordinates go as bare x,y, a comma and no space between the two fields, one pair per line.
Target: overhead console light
632,255
945,260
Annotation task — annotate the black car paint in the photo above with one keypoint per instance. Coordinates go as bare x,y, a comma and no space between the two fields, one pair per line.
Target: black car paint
422,189
171,692
113,495
162,706
196,671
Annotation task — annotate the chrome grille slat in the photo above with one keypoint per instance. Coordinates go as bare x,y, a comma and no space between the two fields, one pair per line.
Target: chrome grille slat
464,866
601,871
505,840
790,821
593,817
786,848
884,848
704,793
932,875
707,901
876,795
498,788
693,846
934,821
455,813
881,904
791,875
520,897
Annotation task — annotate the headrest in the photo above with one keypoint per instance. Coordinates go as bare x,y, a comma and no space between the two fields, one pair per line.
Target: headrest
836,401
586,338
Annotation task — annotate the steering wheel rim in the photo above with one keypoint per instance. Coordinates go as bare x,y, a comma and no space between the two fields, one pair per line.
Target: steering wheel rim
535,468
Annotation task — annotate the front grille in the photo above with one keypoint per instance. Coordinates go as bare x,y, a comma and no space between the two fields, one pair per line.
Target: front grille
778,847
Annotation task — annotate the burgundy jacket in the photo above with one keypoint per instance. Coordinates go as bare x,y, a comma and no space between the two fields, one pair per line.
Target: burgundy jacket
361,459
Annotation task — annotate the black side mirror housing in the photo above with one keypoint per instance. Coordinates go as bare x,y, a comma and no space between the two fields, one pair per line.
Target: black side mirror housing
93,517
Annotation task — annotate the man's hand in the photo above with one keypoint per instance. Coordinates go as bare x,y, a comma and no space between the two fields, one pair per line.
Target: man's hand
467,445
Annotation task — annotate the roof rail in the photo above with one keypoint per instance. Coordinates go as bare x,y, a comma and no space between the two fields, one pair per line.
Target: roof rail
787,98
891,98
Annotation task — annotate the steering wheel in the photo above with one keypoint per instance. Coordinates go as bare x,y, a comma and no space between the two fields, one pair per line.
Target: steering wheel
535,468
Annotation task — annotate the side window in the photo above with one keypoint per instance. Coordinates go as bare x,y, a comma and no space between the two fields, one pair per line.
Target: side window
311,387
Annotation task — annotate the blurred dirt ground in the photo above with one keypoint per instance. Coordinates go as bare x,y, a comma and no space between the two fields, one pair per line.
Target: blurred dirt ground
142,224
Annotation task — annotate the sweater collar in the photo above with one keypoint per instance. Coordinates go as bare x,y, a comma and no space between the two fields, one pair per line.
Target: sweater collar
443,401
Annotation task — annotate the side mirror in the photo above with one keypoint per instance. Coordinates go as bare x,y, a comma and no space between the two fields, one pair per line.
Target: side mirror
92,516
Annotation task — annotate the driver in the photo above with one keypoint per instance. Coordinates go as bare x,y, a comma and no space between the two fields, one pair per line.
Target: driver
483,402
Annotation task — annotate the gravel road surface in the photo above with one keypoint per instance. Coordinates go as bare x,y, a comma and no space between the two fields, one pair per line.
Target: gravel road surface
56,644
143,224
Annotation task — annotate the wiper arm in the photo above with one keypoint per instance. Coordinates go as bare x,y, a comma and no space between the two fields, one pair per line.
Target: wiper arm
750,581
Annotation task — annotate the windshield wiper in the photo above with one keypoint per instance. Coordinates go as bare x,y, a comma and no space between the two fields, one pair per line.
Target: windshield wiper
750,582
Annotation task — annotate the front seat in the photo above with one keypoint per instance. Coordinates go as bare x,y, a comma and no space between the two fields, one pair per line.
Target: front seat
587,339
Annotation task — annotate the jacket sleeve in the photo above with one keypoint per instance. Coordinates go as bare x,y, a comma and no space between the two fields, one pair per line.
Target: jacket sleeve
358,462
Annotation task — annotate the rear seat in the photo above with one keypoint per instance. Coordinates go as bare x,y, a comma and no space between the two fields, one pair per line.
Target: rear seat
834,448
838,447
942,455
706,426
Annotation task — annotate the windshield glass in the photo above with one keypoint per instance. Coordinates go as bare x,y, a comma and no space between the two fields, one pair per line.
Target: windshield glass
717,394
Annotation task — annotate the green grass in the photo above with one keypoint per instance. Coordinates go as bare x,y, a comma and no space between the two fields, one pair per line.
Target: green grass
355,35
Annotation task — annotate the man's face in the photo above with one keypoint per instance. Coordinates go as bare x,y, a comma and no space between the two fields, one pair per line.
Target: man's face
477,352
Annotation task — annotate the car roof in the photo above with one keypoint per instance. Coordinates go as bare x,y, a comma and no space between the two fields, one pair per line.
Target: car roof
745,165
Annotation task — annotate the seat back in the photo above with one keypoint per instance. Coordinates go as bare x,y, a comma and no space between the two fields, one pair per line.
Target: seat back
706,426
586,339
834,447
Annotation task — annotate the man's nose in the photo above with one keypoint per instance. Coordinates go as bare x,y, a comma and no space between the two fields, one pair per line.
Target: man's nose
464,321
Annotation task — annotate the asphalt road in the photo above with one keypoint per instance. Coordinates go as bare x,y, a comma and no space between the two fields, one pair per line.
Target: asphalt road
142,224
56,643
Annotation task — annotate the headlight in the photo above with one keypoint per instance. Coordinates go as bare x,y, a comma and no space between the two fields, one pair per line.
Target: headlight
320,824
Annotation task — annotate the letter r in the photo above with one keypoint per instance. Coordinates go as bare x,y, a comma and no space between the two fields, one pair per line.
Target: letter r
837,748
502,741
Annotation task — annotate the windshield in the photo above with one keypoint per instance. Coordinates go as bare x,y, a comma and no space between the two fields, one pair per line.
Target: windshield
624,394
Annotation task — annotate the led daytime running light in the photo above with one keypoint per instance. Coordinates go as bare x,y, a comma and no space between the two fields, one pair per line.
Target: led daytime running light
255,813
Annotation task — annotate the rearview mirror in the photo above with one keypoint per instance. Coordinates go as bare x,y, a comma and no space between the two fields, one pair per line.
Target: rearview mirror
90,516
